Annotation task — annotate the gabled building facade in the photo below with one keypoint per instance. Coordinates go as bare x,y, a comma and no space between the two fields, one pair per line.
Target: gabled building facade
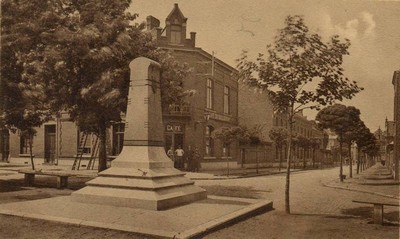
215,103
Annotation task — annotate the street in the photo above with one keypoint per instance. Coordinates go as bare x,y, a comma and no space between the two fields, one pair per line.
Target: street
317,211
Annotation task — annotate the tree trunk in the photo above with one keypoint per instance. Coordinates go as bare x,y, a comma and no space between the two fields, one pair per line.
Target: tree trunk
102,149
304,157
358,160
313,157
287,187
30,151
350,162
341,161
280,158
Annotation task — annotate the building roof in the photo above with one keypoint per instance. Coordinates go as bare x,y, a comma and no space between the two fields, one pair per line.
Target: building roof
176,11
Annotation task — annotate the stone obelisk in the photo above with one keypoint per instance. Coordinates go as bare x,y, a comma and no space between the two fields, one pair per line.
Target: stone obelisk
142,176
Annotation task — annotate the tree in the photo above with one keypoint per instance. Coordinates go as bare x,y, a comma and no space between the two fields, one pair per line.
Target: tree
340,119
279,136
366,143
24,95
300,72
81,51
351,136
228,135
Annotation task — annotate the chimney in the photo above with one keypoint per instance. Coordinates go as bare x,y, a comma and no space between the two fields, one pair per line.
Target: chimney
152,23
193,38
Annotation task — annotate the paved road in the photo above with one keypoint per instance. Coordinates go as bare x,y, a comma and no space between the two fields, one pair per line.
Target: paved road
317,211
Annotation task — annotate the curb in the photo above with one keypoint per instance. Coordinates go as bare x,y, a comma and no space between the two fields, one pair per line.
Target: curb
196,231
228,219
360,190
247,176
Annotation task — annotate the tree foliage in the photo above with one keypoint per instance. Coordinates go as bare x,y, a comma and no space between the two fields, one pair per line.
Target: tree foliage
299,71
279,135
344,121
229,135
78,53
298,59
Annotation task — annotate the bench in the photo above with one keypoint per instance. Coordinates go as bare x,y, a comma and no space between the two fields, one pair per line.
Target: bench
62,177
378,209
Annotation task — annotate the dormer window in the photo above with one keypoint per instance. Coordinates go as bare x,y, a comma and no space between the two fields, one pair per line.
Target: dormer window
176,34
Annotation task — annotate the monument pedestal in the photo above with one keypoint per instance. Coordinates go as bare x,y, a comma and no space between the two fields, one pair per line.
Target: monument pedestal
142,176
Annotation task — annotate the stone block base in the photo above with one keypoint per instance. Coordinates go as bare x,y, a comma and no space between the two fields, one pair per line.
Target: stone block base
151,200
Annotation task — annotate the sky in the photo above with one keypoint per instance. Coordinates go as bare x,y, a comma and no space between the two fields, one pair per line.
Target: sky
228,27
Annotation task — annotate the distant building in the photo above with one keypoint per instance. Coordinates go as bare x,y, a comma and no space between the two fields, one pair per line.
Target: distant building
381,141
256,110
396,84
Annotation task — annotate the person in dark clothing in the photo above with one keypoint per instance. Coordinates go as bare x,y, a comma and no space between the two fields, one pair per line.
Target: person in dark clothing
196,160
189,159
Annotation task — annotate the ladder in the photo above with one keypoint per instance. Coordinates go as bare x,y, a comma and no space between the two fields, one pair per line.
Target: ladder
81,146
93,155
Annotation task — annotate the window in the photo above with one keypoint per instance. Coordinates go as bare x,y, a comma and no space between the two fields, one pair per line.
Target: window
226,100
209,141
24,144
118,138
176,34
209,93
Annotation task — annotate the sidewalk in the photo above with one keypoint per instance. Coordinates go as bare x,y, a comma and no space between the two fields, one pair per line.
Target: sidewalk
374,180
185,221
217,174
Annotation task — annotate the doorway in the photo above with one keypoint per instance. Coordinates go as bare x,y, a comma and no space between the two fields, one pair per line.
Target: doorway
174,140
49,144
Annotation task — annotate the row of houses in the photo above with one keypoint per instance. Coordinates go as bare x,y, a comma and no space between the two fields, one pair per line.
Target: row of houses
220,101
395,127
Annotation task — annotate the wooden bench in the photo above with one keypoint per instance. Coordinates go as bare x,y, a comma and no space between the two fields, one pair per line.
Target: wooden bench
62,177
378,209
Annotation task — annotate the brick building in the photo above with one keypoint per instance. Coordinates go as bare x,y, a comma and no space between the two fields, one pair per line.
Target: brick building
256,110
214,105
305,128
256,113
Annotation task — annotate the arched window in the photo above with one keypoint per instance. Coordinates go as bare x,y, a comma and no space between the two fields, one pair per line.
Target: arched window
209,141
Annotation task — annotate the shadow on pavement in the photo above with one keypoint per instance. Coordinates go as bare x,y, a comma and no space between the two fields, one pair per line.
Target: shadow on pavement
234,191
390,218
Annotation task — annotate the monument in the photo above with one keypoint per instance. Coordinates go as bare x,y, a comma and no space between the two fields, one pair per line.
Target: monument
142,176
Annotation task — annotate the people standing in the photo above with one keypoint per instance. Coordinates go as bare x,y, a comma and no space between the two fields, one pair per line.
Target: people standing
171,155
179,157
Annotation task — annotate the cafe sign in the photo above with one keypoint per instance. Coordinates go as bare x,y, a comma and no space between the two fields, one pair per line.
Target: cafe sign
174,127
